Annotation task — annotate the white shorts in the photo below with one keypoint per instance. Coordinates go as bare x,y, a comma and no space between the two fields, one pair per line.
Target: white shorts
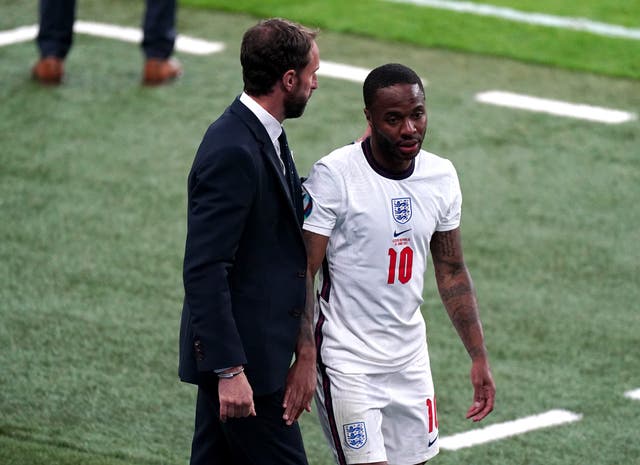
379,417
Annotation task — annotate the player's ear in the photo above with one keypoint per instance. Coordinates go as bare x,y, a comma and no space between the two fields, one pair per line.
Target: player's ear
367,115
289,80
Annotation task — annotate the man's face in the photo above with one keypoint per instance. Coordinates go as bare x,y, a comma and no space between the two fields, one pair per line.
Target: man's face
306,83
398,120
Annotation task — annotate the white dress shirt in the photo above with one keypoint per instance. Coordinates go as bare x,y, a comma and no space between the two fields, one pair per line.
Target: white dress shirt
272,125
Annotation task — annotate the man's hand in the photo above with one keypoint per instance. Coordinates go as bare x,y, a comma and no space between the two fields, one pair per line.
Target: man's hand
301,384
236,397
484,390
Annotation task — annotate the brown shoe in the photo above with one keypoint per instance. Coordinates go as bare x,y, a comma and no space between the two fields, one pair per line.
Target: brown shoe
48,70
160,71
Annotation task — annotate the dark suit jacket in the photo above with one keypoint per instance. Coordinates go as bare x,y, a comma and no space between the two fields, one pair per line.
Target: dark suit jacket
245,261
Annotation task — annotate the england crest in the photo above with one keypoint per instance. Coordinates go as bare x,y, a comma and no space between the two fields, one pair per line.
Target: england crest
355,434
401,209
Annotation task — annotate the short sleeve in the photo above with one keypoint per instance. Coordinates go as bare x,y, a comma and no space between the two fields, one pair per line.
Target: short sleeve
453,211
322,200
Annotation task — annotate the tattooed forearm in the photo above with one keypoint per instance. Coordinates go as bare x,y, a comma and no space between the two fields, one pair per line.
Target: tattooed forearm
306,323
466,320
464,317
475,352
458,296
457,290
306,340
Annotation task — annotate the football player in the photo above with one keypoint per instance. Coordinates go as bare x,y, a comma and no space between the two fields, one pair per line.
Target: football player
374,211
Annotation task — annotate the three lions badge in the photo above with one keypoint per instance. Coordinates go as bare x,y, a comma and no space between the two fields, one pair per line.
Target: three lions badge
355,434
401,208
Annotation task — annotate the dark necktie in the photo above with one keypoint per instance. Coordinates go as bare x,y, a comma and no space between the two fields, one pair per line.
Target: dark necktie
287,160
290,175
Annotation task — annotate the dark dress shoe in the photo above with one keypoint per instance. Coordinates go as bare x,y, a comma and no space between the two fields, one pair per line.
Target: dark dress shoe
159,71
48,70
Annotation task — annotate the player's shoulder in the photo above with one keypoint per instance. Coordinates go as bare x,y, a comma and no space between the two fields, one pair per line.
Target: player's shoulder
431,162
434,158
341,157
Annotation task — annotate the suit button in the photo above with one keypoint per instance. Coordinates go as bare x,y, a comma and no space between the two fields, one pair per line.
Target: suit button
197,345
296,312
301,274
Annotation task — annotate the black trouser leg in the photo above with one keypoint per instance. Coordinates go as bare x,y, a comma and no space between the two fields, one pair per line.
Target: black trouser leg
56,27
261,440
158,27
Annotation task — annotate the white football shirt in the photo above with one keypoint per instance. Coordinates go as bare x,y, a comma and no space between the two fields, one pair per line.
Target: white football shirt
368,317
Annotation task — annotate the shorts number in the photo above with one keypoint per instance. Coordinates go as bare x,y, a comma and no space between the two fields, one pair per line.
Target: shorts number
405,265
433,414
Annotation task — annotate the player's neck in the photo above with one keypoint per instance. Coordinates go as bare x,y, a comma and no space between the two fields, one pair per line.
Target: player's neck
383,166
388,162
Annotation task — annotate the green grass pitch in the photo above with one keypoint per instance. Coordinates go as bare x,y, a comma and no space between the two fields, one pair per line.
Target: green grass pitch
92,227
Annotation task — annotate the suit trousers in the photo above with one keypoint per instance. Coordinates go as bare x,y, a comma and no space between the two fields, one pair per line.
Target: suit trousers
261,440
55,35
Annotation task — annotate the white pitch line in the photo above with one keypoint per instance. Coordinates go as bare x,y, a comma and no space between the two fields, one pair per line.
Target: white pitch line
342,71
539,19
184,44
347,72
555,107
20,34
508,429
635,394
129,34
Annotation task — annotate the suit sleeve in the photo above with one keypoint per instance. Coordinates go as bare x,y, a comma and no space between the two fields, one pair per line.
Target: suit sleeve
221,190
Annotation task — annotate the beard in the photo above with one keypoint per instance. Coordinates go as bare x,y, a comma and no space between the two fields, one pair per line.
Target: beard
294,106
389,148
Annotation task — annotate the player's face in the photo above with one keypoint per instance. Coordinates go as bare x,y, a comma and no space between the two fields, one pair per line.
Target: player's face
398,120
306,83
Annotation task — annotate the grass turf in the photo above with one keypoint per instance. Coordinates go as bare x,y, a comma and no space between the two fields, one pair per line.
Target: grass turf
92,195
431,27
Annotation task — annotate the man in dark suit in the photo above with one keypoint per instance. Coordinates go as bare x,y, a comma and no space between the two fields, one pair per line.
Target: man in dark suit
244,267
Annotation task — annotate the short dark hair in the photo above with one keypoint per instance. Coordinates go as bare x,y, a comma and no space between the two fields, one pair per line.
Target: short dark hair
385,76
271,48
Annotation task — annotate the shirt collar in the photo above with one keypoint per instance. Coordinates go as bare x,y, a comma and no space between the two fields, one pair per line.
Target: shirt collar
272,125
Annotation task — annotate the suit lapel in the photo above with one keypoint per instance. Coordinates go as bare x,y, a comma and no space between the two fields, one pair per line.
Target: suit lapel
269,153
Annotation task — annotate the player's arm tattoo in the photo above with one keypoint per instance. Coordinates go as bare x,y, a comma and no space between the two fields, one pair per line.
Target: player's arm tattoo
444,243
306,320
316,246
456,290
306,343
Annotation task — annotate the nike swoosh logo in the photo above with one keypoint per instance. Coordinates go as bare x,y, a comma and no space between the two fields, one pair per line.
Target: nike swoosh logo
396,234
431,443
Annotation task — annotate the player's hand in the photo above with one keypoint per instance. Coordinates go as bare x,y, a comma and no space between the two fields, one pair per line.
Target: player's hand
301,384
236,397
484,390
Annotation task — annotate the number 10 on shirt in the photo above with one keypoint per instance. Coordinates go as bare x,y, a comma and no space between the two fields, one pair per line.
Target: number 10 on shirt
402,262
